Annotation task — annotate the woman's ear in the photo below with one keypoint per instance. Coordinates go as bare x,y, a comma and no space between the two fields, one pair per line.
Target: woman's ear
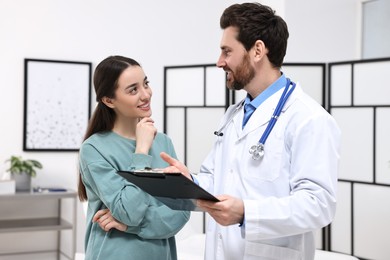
108,102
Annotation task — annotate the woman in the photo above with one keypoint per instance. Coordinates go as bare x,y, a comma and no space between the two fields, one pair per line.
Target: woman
121,136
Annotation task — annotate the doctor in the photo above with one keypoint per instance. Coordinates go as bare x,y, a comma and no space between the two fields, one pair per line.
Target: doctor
275,171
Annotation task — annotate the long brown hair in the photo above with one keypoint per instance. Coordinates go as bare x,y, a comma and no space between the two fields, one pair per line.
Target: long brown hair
105,82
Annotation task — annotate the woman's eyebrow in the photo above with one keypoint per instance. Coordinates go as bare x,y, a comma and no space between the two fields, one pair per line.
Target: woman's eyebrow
132,85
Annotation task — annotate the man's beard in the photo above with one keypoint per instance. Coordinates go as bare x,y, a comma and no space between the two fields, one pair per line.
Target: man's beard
243,75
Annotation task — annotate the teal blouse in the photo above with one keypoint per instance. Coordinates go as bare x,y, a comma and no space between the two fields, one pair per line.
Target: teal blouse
151,224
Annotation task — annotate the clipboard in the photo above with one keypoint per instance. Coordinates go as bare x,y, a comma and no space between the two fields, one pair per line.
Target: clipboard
173,189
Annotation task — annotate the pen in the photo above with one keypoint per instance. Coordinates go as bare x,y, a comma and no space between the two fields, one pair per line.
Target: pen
39,189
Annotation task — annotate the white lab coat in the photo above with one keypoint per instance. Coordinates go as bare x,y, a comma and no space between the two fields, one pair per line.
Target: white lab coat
288,194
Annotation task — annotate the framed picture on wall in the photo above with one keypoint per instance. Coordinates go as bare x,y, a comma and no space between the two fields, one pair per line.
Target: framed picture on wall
57,101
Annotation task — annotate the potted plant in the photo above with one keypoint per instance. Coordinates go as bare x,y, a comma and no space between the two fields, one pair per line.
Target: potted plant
22,171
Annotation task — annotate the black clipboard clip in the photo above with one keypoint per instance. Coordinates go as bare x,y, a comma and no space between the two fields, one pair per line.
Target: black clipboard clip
149,173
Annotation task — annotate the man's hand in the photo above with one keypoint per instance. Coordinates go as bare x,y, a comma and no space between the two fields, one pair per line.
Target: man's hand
106,221
227,212
175,165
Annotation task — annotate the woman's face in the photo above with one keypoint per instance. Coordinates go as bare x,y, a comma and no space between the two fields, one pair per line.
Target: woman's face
133,95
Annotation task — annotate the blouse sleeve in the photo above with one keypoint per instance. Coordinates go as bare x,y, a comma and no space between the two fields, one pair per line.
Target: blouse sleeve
140,161
143,214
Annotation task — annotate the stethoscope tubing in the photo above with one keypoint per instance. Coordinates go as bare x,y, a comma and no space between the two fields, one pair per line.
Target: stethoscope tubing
239,106
278,110
257,150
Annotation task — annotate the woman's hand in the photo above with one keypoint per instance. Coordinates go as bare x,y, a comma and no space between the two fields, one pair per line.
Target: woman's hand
144,135
106,221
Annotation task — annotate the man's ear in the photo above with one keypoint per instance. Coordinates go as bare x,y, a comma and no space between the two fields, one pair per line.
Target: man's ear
108,102
260,50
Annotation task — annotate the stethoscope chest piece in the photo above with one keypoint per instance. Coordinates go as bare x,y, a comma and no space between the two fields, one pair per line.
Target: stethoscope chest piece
257,151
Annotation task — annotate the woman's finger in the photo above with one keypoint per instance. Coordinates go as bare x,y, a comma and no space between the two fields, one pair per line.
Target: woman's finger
99,214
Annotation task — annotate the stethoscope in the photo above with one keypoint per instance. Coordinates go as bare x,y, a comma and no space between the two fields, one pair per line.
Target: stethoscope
257,150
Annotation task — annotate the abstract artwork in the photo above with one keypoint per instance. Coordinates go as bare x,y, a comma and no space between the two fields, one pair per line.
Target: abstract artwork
56,104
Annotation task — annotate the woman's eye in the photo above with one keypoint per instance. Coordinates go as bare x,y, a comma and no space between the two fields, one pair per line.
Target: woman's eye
133,90
146,83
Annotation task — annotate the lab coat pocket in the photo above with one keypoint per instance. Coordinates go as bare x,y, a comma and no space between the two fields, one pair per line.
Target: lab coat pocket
266,251
267,168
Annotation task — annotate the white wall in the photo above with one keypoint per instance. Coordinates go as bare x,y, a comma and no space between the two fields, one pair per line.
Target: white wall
156,33
323,31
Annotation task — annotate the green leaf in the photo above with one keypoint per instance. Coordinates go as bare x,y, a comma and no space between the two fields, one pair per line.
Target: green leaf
18,165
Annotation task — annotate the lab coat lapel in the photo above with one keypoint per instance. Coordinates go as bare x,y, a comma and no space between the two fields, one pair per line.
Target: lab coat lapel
237,122
260,117
263,113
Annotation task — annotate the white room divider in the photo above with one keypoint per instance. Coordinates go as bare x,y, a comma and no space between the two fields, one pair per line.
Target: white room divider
358,96
360,102
195,98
